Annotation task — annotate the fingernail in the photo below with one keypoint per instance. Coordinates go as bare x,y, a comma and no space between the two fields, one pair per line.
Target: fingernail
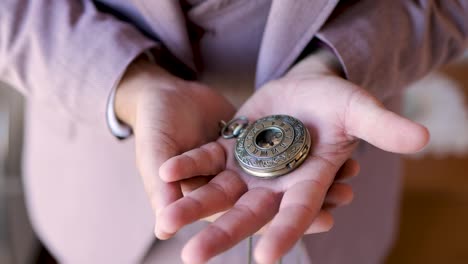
160,234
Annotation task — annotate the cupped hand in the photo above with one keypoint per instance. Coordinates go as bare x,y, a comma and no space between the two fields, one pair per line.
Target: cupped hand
339,194
168,116
337,114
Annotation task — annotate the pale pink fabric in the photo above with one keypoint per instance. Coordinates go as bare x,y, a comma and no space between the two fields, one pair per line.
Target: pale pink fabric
84,195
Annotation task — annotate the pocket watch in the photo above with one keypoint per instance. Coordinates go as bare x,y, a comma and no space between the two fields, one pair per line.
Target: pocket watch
269,147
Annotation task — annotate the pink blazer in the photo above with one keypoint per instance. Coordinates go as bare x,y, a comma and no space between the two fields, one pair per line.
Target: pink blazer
84,196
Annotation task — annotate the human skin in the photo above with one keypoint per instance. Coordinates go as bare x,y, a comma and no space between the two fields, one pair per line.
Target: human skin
337,113
169,116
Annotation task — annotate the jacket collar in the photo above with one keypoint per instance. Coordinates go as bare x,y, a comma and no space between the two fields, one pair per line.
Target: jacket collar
290,27
168,22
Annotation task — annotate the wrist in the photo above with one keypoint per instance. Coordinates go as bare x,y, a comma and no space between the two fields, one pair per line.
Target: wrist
127,92
141,74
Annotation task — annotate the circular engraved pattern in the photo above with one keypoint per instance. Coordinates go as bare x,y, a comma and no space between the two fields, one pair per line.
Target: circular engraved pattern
262,128
272,146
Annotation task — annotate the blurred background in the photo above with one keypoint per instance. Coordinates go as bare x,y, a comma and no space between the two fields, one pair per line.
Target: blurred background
434,214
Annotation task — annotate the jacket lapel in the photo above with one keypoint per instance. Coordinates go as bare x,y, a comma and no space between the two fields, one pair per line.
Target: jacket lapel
290,27
168,21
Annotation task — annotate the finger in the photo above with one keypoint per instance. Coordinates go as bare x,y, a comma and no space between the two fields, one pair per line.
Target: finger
367,119
150,154
322,223
339,194
208,159
299,207
213,218
194,183
348,170
166,194
253,210
219,194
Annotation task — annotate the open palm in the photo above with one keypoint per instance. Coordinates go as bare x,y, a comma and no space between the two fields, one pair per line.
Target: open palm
337,114
170,116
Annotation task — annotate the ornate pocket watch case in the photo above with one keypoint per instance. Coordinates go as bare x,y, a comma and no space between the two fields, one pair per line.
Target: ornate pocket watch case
272,146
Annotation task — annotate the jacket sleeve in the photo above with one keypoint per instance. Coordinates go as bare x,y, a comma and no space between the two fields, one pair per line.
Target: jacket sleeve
383,45
66,54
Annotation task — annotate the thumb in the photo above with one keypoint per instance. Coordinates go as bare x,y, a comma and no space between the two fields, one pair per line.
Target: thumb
366,118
